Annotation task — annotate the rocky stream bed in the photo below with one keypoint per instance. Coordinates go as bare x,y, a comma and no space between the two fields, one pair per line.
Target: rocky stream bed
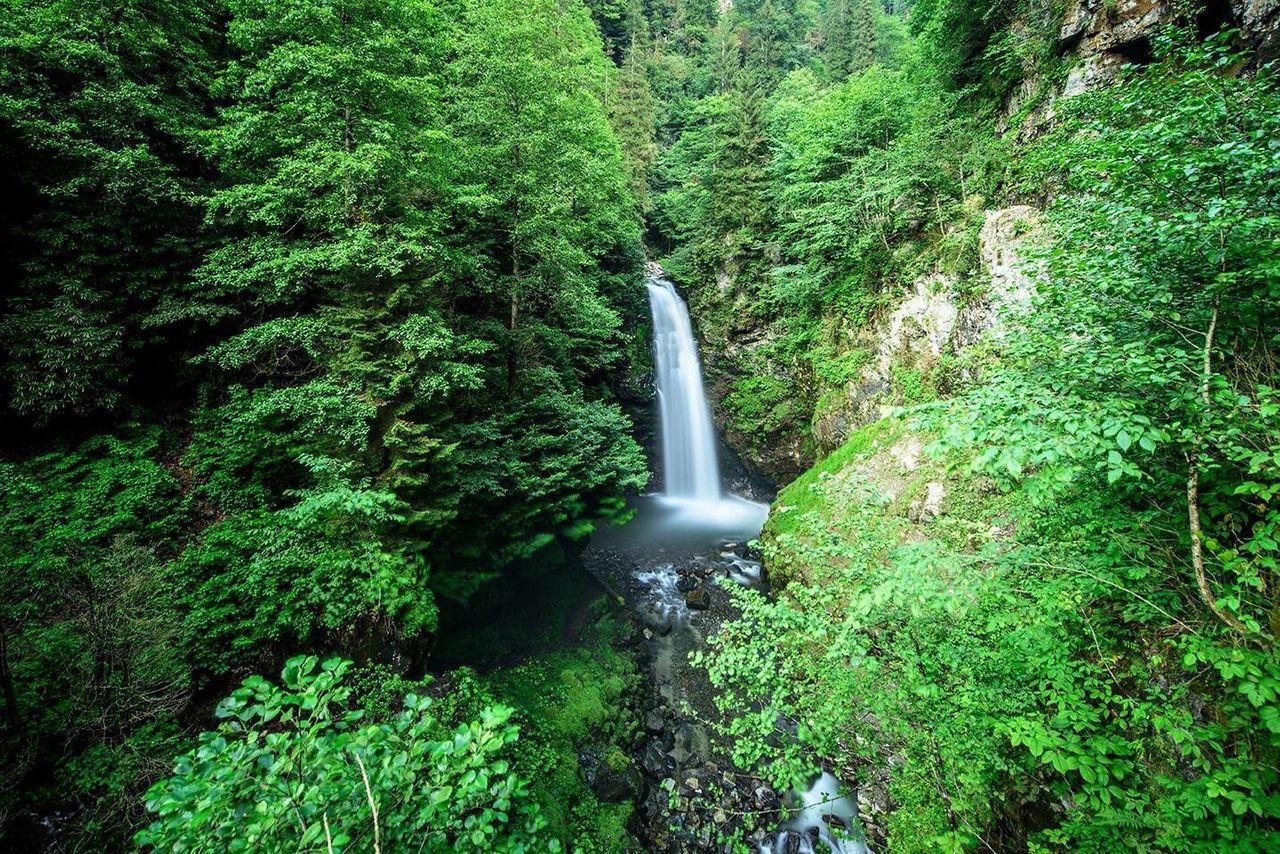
690,795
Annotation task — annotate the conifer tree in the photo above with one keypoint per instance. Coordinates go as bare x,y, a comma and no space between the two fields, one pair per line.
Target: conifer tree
632,116
726,52
837,38
849,36
862,49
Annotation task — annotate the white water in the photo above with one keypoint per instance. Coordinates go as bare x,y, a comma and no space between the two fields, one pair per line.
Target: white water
694,511
823,813
689,463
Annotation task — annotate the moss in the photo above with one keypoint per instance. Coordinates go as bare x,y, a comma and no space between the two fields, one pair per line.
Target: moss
762,405
572,694
836,368
853,506
802,498
915,384
568,700
798,494
617,761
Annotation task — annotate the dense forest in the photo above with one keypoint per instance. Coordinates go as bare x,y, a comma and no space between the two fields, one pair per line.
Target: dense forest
324,322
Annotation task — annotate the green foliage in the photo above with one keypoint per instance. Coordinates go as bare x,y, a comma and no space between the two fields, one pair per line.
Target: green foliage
327,563
102,108
89,624
761,405
570,702
571,687
1079,651
294,766
367,264
849,36
1157,381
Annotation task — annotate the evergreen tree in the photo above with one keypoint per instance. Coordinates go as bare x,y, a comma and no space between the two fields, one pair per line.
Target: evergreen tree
862,49
633,119
725,52
101,108
692,24
837,38
849,36
772,37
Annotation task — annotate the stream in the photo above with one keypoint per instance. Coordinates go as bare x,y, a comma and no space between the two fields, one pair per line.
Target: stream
670,563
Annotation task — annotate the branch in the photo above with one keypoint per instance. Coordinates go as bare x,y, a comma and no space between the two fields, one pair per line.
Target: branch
1197,547
377,836
1193,493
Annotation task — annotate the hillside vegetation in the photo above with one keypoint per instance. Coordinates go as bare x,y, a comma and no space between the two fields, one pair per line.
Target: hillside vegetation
318,318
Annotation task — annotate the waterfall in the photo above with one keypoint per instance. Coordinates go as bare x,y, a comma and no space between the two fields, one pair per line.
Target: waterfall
688,439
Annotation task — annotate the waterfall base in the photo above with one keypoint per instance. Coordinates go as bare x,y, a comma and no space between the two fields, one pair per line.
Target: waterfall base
685,522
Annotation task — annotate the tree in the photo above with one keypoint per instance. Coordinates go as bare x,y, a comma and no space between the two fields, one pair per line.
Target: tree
862,25
837,38
849,36
328,221
102,108
545,162
632,116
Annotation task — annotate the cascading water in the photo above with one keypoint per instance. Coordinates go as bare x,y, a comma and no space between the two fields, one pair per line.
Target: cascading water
688,438
674,554
693,509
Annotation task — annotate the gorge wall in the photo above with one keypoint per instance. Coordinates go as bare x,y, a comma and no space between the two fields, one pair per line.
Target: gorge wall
941,281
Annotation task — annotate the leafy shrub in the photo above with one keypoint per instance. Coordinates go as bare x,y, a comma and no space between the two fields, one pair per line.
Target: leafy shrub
295,767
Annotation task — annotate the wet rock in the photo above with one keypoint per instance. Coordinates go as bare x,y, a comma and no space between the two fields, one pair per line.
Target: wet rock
654,723
686,583
766,798
660,621
691,745
790,842
613,777
697,599
655,761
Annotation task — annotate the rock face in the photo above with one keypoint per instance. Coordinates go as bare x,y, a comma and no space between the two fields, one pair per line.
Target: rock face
1101,36
1106,36
932,325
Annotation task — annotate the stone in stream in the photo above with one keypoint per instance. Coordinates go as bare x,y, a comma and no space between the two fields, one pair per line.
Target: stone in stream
697,598
661,620
791,842
653,723
655,761
691,745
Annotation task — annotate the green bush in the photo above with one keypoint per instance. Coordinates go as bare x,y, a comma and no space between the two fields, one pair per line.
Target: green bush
293,766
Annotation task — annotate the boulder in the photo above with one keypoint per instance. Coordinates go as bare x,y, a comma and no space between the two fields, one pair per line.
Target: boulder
655,761
698,599
611,775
